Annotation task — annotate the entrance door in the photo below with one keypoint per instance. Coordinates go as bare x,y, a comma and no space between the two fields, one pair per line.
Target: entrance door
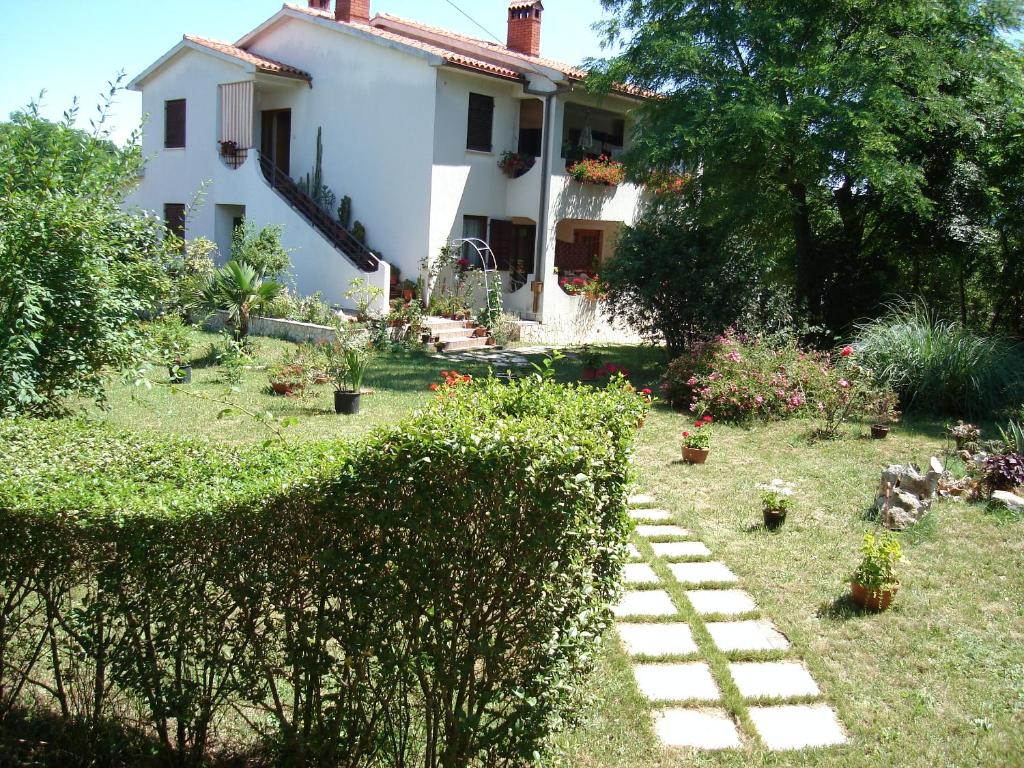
276,138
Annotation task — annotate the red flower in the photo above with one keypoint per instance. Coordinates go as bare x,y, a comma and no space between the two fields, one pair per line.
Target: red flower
847,351
433,387
645,392
686,434
698,424
708,419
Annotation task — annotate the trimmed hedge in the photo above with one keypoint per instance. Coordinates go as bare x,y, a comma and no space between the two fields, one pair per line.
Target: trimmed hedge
433,595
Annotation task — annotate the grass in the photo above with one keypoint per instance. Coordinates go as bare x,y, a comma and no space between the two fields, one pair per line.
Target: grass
937,680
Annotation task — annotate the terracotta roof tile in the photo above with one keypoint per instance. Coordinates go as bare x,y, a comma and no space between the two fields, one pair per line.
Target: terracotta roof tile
452,57
261,63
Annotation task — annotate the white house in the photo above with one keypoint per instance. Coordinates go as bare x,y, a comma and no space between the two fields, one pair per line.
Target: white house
414,121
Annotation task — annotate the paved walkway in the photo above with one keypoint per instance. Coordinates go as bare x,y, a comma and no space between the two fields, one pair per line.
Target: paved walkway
496,357
718,673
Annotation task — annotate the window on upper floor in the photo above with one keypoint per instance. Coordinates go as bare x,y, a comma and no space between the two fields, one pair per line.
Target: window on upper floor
480,124
588,132
174,124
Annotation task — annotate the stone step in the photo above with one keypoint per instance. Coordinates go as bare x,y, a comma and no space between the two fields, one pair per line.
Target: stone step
444,324
463,344
451,335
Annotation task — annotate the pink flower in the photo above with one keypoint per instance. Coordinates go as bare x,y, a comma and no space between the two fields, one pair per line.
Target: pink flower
708,419
844,384
714,377
692,381
759,400
735,356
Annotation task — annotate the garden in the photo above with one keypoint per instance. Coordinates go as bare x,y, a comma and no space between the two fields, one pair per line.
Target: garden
225,549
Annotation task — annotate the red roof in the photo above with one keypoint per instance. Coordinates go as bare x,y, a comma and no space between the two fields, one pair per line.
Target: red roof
452,57
262,63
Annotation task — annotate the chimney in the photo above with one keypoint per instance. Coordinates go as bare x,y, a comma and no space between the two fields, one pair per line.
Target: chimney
357,11
320,5
524,26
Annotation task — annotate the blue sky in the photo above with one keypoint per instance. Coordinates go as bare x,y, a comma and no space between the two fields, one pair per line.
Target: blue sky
74,47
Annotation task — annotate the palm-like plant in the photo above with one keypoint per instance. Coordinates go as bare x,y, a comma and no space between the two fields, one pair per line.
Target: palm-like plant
241,291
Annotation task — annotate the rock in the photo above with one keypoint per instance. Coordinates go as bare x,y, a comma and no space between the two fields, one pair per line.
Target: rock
1011,500
906,495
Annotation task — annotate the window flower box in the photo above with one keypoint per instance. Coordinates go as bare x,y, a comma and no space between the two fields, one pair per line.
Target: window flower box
603,170
515,164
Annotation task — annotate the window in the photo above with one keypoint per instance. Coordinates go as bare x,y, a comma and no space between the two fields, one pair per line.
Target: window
174,218
473,226
481,122
174,124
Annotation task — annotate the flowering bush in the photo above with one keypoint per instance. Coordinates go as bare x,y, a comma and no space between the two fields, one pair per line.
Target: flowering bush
611,370
741,379
604,170
699,438
592,288
452,379
849,391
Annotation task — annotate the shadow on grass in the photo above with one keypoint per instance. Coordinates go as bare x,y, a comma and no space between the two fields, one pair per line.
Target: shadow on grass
842,609
40,738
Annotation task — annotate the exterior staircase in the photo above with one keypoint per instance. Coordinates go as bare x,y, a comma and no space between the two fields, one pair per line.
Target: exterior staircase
343,240
453,335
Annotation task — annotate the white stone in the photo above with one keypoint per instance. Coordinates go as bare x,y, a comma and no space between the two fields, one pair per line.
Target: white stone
677,549
697,729
676,682
654,602
639,573
657,639
747,636
655,515
727,602
702,573
1011,500
633,552
640,500
773,679
661,531
797,727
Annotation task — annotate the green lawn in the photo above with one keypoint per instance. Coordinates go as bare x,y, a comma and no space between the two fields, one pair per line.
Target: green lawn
936,681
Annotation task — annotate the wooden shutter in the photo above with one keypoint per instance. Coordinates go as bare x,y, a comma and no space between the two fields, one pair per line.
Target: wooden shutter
174,218
174,124
481,122
502,242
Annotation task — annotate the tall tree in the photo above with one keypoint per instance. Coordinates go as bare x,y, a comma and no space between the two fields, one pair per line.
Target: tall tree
824,129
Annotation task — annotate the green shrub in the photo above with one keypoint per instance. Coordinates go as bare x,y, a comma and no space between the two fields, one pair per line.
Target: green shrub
938,366
433,595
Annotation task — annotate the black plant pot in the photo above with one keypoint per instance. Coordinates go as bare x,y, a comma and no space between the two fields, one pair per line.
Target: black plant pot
773,520
184,378
346,403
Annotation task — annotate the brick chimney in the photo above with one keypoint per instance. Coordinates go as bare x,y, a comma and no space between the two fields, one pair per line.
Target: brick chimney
357,11
320,5
524,18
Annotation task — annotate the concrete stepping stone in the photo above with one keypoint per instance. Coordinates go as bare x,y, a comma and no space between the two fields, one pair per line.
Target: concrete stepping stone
639,573
676,549
747,636
657,639
798,727
773,679
654,515
702,573
697,729
633,552
727,602
661,531
640,500
676,682
653,602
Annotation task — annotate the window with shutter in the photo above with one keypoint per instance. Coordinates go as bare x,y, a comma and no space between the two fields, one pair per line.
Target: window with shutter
502,242
481,122
174,124
174,218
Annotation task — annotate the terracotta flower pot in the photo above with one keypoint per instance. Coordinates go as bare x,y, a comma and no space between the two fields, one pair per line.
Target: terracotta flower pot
773,519
588,374
285,388
879,431
695,455
873,601
480,332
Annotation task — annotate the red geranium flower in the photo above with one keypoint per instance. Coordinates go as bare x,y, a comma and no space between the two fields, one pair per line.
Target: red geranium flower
686,434
708,419
847,351
433,387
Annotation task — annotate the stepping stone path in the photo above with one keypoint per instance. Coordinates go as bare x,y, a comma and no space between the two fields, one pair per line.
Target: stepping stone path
671,646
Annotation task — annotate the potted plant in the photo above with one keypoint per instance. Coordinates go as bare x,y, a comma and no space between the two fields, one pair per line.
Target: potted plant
515,164
228,148
697,441
347,364
874,584
408,290
480,332
173,343
591,362
883,407
287,378
776,503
